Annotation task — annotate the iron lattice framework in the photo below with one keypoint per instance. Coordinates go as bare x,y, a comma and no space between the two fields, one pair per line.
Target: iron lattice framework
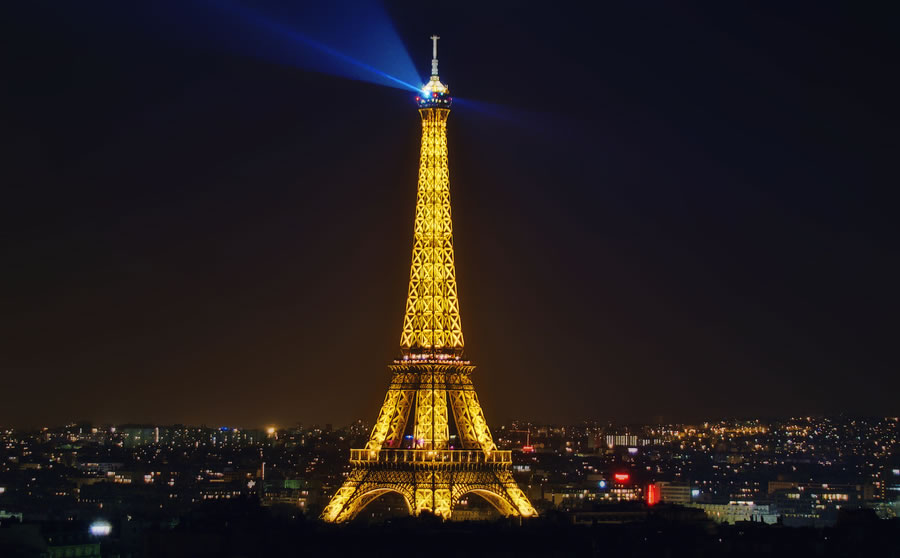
432,306
431,443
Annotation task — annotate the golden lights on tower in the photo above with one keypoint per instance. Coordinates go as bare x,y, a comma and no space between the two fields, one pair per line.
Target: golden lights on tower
432,321
411,450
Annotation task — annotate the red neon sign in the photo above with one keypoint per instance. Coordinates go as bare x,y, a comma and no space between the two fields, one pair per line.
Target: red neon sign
621,477
652,494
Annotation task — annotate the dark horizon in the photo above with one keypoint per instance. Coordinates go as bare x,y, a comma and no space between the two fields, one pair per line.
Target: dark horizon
497,426
658,211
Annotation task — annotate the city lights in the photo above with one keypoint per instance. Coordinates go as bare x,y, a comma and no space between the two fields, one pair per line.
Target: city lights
100,528
679,290
652,495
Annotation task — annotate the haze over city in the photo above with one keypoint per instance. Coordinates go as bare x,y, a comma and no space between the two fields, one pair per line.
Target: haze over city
680,218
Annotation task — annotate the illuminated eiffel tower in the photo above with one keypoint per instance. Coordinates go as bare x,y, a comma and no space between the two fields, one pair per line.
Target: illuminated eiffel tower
430,442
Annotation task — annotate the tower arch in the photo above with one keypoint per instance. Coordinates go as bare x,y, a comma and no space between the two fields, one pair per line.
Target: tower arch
499,501
353,505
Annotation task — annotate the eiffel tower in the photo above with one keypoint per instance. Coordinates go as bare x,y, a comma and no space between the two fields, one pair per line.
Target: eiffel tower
430,443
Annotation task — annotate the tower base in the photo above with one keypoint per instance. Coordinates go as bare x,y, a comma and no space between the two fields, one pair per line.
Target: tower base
433,489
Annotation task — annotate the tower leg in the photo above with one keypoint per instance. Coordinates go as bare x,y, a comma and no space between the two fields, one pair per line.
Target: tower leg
469,417
498,488
515,495
383,423
433,493
362,487
336,508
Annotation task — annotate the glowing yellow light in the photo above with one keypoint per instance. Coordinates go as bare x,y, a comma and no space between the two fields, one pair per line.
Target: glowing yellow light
432,318
431,385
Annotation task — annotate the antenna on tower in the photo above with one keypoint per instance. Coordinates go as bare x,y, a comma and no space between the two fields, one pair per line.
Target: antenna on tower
435,91
434,40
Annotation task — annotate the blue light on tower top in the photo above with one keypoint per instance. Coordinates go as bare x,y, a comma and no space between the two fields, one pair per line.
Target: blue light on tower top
434,94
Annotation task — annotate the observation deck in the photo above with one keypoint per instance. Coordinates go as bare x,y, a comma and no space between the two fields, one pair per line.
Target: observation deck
447,358
430,458
434,99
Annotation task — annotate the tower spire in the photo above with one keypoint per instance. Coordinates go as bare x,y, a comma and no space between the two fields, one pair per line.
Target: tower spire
434,85
434,59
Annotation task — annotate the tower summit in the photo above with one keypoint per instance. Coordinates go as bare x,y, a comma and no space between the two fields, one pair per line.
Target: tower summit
434,86
431,443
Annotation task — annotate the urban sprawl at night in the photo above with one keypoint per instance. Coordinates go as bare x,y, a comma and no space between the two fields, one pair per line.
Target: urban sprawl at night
136,483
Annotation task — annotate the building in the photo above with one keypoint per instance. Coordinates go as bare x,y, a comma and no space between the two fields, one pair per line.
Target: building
617,487
891,485
620,440
814,504
674,492
291,492
138,435
735,511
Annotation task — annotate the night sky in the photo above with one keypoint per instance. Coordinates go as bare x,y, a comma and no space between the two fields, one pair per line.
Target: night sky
661,210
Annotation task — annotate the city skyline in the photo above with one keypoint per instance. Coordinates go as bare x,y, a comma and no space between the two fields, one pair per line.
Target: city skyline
647,226
667,248
165,490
